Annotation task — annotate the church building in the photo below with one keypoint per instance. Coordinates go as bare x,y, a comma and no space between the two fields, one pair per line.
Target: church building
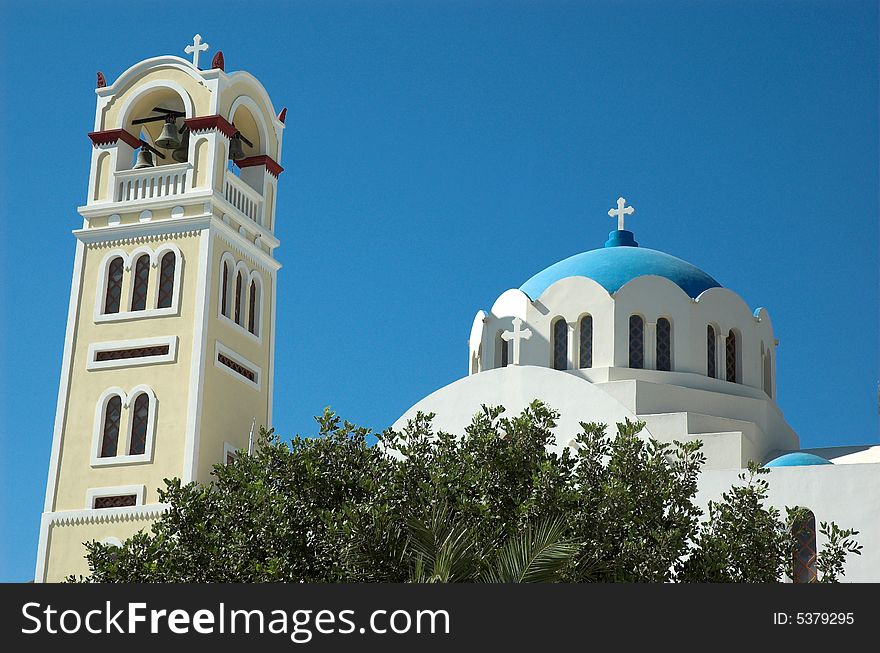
627,332
168,356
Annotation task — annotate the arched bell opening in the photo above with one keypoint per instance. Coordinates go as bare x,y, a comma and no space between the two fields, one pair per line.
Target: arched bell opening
156,118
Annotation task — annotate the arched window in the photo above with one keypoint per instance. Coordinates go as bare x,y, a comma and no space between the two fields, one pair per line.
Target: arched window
768,375
114,286
140,417
501,346
710,352
636,342
803,530
254,308
731,356
141,280
166,280
224,290
560,344
585,349
664,345
110,426
238,283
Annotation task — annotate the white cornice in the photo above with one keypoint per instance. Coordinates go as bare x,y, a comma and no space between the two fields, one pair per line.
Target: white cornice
142,230
100,209
91,211
191,225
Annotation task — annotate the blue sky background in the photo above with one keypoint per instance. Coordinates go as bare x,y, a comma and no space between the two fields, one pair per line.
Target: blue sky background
439,153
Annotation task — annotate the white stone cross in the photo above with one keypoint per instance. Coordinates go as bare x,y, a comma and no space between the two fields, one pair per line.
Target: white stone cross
620,211
196,47
516,335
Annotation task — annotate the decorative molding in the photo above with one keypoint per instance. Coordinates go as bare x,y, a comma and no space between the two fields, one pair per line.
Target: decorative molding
105,515
110,136
141,231
261,160
220,348
139,492
206,123
123,440
113,345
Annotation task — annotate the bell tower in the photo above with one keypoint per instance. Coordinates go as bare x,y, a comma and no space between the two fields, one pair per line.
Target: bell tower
168,354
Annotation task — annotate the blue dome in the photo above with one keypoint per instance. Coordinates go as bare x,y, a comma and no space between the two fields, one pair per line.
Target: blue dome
797,459
620,261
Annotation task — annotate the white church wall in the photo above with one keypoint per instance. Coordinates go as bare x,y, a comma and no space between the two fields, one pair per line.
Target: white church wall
846,494
515,388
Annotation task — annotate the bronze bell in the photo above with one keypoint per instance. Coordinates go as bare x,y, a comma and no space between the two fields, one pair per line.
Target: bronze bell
168,139
181,152
144,159
236,151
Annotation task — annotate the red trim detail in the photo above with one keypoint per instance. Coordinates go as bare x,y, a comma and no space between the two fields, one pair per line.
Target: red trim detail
217,61
112,135
261,160
204,123
102,81
283,115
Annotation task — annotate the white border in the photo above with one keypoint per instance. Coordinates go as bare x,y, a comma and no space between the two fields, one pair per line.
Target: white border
128,258
112,345
220,348
248,276
124,439
199,356
139,492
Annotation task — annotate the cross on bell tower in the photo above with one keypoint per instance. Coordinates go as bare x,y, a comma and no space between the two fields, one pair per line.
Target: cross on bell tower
196,48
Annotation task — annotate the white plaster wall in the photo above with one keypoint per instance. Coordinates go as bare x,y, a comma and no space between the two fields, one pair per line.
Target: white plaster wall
651,297
515,388
846,494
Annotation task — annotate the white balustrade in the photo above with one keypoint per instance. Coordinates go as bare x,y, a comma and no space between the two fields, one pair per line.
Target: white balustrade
151,183
244,198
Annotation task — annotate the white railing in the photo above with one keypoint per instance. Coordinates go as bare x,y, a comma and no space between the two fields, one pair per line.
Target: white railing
150,183
243,197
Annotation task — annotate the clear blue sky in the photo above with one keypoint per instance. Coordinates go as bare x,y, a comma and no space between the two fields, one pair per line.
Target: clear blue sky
439,153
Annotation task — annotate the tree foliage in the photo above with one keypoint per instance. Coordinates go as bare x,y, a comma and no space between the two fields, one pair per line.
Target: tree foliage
494,504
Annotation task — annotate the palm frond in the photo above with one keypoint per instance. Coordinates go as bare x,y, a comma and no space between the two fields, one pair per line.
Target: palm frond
538,554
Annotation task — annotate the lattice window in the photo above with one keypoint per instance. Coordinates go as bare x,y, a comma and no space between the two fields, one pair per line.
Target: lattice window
710,352
664,345
230,457
114,286
636,342
137,352
166,280
120,501
238,282
585,353
224,290
141,281
731,356
252,308
560,344
139,422
804,555
238,368
110,430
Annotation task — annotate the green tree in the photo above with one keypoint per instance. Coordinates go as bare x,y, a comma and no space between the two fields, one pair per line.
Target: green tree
493,504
